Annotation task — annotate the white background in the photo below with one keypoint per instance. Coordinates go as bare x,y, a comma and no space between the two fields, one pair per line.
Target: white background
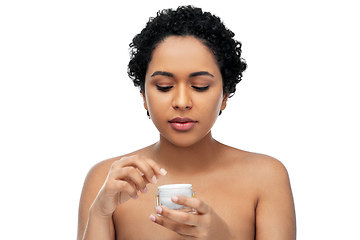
66,103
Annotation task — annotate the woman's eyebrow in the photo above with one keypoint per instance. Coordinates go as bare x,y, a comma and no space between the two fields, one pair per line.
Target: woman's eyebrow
194,74
201,73
162,73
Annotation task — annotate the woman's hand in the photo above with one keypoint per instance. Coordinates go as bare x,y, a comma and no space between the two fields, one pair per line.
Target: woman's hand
205,224
126,178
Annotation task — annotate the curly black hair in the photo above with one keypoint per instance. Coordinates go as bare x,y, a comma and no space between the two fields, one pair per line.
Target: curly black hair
188,21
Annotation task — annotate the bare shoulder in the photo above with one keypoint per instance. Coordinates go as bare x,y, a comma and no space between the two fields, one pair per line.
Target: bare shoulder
266,166
275,211
263,171
261,164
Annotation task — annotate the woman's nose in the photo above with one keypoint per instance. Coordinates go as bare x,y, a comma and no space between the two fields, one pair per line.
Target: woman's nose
182,98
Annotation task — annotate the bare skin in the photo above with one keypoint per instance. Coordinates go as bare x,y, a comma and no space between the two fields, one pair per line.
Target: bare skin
240,195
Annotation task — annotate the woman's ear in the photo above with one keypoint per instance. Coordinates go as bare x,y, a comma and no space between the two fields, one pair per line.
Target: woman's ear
224,101
144,99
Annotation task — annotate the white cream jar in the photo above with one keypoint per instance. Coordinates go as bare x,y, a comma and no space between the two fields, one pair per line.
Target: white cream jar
165,192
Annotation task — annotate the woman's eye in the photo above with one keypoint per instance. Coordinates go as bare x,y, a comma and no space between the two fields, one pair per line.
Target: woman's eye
163,89
201,89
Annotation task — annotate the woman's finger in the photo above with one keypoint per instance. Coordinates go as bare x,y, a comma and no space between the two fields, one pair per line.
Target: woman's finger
181,229
147,166
178,216
200,206
115,187
130,175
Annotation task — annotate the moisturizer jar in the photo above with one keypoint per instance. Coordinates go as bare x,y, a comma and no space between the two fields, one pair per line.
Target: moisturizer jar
165,192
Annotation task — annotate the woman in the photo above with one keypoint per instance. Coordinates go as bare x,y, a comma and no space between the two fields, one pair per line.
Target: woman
187,65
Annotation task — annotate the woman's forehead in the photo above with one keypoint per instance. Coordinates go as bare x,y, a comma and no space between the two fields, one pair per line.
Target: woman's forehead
178,53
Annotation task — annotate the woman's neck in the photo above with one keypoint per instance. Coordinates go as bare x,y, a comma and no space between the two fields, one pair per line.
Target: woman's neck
195,158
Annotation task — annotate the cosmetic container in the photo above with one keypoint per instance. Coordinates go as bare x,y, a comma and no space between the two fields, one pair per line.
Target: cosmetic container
165,192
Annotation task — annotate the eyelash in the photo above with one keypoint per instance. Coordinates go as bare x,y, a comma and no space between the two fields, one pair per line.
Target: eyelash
201,89
163,89
166,89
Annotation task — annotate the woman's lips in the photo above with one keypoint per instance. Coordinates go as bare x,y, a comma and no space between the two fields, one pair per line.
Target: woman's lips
182,124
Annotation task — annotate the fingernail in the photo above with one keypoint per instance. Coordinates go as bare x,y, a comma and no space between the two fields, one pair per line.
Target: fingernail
144,190
159,210
152,218
174,199
154,180
136,197
163,172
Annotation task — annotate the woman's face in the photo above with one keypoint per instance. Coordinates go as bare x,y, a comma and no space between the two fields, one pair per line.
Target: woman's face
183,90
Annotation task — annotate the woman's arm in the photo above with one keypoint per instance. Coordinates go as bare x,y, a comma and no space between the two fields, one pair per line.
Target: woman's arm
275,212
88,219
104,190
